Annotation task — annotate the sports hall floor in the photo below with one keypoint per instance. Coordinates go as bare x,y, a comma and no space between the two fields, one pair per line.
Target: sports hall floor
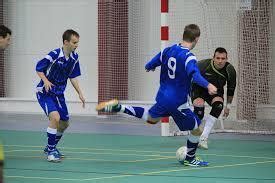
127,151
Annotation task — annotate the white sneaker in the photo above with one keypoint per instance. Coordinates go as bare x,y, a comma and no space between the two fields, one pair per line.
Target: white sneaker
203,143
109,106
53,156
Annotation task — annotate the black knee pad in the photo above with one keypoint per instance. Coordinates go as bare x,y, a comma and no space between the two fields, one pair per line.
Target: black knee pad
216,109
199,111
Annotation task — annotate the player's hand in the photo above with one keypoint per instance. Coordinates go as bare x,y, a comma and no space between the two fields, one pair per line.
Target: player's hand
150,70
212,89
48,85
226,112
81,97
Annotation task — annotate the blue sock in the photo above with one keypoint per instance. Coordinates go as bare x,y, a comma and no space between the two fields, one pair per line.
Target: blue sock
139,112
58,137
192,144
51,133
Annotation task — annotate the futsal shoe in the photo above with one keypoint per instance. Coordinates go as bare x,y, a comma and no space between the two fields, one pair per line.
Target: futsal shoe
59,153
196,162
53,156
109,106
203,144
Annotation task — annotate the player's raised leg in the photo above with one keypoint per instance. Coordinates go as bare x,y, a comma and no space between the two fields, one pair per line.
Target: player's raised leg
136,111
109,106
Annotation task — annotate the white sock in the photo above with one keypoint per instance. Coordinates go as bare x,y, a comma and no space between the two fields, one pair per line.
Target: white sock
145,114
136,111
122,109
209,123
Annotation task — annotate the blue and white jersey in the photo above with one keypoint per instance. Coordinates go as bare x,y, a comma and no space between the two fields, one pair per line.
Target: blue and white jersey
58,69
178,69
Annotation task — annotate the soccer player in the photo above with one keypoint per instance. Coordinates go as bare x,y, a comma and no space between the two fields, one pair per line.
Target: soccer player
219,72
178,69
5,37
54,70
1,161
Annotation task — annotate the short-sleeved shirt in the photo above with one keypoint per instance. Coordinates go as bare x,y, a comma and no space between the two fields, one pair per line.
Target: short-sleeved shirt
58,69
178,68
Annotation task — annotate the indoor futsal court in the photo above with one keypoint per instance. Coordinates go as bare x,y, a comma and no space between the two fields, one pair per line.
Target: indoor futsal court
94,153
115,40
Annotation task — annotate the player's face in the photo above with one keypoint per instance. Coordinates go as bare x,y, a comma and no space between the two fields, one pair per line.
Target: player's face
72,44
219,60
5,42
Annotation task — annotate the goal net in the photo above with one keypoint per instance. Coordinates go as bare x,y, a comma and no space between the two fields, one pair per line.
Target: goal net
118,39
243,27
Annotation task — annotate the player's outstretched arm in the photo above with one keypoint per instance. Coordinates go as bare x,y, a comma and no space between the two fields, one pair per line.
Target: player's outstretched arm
211,89
153,63
192,69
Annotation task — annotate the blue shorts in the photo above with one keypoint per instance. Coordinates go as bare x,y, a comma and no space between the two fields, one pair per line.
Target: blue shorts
184,118
50,103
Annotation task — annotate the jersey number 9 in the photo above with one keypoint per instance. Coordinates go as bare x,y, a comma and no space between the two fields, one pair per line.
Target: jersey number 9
172,67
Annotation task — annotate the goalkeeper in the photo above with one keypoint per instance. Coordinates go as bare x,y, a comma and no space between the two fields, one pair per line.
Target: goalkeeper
178,68
219,72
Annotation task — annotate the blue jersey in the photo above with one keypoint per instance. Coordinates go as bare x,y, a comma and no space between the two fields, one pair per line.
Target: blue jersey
178,69
58,69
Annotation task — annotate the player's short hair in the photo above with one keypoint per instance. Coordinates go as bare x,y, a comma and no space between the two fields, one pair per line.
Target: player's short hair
191,32
68,34
220,50
4,31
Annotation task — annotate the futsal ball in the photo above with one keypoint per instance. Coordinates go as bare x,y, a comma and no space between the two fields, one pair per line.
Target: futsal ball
181,154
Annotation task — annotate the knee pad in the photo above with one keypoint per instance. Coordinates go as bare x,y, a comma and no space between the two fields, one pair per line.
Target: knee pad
216,109
199,111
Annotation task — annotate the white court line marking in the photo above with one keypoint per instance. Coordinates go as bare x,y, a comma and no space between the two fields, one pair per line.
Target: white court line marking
89,152
98,159
139,151
145,173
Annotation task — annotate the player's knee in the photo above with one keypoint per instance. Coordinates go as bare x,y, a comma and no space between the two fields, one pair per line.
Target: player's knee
217,108
54,117
199,111
152,121
198,102
149,119
196,132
